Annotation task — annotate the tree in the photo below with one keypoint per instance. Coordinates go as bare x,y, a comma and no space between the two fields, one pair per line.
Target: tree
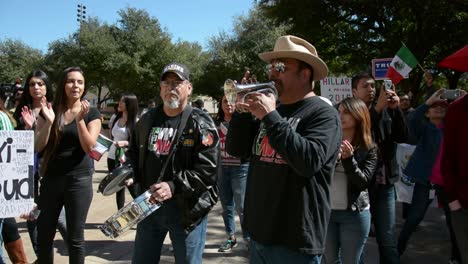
231,55
124,57
348,34
17,60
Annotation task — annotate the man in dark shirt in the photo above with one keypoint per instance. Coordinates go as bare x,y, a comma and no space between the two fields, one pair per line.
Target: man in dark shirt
293,150
388,128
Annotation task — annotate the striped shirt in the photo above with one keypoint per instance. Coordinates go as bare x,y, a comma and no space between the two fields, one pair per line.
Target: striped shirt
5,122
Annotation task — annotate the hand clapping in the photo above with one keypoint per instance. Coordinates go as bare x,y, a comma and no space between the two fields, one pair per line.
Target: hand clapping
47,111
346,149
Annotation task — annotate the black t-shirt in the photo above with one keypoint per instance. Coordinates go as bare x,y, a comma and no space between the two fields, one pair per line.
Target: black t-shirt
69,156
160,140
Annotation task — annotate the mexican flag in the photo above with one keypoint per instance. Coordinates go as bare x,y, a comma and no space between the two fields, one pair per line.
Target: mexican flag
401,65
103,144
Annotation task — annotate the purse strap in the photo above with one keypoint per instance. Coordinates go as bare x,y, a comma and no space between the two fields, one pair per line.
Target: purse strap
183,122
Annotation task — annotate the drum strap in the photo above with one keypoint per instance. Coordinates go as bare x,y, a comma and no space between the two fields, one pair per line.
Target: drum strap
183,121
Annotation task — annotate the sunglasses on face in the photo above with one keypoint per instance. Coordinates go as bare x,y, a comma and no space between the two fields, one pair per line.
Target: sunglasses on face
279,66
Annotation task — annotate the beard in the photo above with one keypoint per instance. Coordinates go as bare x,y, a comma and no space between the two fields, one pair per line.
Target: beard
172,103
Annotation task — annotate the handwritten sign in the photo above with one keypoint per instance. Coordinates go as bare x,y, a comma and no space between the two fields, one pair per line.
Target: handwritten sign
16,172
336,88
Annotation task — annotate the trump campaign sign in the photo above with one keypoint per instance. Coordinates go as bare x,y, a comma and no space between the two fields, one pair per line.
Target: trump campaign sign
380,67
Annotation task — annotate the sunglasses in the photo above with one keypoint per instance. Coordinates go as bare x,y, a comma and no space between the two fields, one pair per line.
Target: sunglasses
279,66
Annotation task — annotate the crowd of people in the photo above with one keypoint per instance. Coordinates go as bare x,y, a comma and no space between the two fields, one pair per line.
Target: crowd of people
307,179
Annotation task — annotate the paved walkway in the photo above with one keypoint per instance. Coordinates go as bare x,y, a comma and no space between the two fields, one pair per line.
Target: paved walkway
429,245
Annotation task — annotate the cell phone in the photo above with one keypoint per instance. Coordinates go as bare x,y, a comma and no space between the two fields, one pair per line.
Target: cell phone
451,94
388,85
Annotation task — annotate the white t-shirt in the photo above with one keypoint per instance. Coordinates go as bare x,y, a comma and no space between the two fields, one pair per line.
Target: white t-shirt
118,134
339,189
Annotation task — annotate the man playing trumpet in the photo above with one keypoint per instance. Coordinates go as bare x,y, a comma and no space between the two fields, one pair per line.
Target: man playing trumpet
293,150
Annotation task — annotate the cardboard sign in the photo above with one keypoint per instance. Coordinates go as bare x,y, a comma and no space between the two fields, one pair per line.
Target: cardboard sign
336,88
16,173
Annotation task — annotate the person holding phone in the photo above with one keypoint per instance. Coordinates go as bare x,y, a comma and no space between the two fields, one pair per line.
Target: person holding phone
426,125
388,127
66,134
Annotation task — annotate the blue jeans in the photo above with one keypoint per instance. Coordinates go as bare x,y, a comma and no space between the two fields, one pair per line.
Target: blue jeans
188,248
346,236
262,254
383,214
232,192
419,204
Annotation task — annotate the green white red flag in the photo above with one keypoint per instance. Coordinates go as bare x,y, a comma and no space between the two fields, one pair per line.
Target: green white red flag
401,65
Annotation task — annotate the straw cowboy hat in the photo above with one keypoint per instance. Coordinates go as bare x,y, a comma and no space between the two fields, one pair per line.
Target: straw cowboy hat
299,49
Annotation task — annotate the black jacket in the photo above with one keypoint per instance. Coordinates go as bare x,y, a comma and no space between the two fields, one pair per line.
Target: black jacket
388,128
359,170
293,153
194,164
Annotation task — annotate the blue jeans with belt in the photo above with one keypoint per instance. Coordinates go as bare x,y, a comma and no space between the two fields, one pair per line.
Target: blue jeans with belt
232,185
151,232
346,236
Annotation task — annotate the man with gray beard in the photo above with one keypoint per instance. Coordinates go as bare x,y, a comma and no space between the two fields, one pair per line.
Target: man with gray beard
174,152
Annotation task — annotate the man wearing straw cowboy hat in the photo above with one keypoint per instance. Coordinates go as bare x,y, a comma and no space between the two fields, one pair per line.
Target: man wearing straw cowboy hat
293,150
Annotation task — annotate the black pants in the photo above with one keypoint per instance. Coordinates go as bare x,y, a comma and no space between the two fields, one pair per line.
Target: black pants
442,197
75,192
120,195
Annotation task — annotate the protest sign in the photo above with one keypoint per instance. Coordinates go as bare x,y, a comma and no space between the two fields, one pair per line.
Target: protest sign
336,88
16,173
380,68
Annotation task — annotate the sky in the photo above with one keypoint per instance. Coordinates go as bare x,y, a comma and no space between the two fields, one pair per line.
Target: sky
37,23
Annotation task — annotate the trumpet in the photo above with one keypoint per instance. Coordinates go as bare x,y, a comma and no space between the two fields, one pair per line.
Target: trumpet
232,90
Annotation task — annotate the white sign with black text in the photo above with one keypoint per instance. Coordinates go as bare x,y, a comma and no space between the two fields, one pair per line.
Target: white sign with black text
336,88
16,173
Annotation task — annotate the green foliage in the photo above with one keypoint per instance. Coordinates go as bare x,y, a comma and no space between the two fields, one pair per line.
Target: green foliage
125,57
232,54
17,60
350,33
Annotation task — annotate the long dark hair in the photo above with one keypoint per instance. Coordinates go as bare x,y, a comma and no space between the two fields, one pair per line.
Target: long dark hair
26,98
220,115
359,111
59,106
131,103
